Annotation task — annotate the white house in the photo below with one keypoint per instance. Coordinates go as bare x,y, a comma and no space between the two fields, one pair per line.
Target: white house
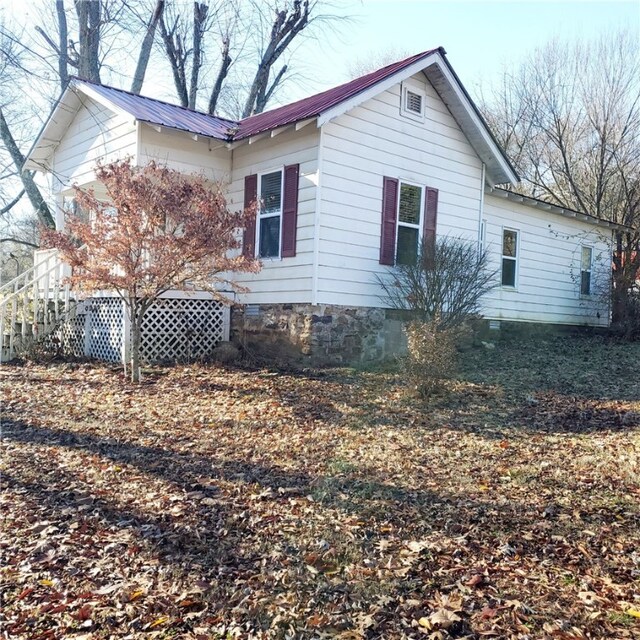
350,180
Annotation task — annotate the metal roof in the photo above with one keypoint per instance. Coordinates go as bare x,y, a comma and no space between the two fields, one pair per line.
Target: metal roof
320,102
326,104
162,113
169,115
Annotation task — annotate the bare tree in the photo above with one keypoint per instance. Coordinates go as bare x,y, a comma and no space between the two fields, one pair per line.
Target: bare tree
184,46
243,33
146,47
64,42
375,59
287,24
569,116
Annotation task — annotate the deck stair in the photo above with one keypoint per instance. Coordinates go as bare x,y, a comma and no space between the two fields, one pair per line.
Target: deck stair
34,305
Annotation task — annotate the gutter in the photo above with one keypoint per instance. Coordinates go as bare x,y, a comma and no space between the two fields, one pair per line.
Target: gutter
552,208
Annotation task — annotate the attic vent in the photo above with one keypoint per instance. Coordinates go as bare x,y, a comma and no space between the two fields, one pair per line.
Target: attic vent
413,102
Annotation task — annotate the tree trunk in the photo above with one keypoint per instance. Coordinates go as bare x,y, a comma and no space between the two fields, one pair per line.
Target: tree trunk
176,58
199,24
222,74
33,193
89,39
286,26
63,40
136,331
145,48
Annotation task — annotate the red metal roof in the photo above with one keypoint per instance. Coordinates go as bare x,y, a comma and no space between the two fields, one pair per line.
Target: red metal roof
163,113
315,105
170,115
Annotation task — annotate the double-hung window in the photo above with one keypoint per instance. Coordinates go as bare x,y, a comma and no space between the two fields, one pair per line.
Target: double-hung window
270,214
509,257
271,232
410,211
586,267
409,220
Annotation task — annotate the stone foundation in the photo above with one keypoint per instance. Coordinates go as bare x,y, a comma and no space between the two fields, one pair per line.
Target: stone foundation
319,335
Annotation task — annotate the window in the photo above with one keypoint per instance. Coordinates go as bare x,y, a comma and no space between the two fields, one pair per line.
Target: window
409,223
409,219
509,257
586,262
270,216
413,99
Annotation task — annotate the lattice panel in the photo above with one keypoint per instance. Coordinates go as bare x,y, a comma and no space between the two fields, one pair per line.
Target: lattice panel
106,317
181,330
68,338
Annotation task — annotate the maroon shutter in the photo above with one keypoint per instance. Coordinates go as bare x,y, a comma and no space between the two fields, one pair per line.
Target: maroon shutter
290,211
250,196
389,215
430,222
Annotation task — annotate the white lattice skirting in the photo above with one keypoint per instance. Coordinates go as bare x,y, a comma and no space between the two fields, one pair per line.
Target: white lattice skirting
178,327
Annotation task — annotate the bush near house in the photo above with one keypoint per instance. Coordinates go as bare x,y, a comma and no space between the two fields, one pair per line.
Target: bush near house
440,291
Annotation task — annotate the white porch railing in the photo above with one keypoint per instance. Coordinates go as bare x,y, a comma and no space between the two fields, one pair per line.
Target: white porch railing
34,303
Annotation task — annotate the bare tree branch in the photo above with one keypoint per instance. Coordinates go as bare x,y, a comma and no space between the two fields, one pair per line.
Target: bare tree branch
145,48
12,203
35,197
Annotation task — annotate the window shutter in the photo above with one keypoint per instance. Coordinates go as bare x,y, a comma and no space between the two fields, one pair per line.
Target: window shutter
430,223
250,196
389,213
290,211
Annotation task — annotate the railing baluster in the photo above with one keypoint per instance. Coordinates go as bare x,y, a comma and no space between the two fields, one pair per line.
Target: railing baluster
56,295
45,319
12,333
25,307
2,332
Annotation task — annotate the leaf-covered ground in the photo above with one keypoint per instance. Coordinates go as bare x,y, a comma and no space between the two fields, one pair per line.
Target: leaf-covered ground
213,503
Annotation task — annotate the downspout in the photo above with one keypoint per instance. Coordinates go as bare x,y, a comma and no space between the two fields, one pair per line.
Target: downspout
481,206
316,228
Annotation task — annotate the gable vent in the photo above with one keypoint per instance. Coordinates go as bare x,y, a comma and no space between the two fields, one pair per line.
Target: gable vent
413,102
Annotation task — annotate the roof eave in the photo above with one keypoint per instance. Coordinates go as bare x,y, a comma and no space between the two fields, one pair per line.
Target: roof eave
552,208
464,110
52,130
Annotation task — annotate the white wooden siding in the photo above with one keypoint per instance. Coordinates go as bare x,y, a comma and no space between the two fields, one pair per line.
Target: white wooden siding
95,133
286,280
178,150
548,280
360,148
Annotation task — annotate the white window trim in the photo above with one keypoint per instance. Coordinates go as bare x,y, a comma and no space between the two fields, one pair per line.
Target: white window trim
419,226
509,287
590,294
414,88
270,215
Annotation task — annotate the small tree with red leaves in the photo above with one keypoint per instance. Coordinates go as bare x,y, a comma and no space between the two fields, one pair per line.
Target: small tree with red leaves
159,230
